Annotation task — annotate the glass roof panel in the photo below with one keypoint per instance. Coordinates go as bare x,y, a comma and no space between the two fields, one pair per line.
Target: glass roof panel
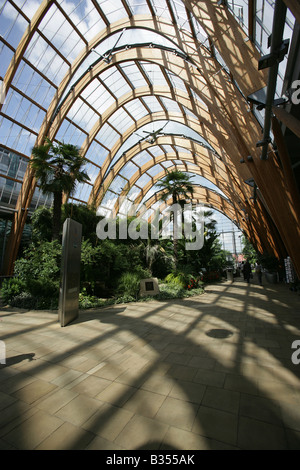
19,108
133,73
6,55
61,33
15,137
33,84
142,158
121,120
128,170
133,193
136,109
45,59
118,184
113,9
155,170
28,7
138,7
98,96
107,136
154,73
240,11
96,153
180,13
92,171
69,133
115,82
161,8
82,191
12,24
152,103
143,180
82,15
83,115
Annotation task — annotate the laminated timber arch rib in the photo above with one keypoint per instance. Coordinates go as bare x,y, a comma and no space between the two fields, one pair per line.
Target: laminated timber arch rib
226,121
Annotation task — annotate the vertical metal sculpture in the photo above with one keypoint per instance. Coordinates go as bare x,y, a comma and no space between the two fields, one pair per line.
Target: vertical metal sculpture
70,272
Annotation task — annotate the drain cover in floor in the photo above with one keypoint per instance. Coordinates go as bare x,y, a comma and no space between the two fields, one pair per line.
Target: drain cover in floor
219,333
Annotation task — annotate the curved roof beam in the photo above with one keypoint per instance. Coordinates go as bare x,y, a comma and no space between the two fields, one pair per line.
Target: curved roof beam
173,117
100,186
204,196
203,169
239,53
216,90
184,167
252,223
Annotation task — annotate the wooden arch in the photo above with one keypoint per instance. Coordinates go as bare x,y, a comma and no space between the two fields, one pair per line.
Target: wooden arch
205,77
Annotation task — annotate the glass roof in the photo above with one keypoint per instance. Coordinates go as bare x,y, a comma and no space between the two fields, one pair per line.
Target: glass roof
136,91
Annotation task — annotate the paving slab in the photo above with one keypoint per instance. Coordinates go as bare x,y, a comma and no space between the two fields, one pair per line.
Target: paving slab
209,372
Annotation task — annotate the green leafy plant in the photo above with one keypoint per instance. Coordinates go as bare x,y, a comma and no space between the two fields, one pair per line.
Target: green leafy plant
11,288
129,284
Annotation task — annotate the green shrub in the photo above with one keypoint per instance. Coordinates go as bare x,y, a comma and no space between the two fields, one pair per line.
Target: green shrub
185,280
171,290
124,299
39,270
175,278
11,288
129,284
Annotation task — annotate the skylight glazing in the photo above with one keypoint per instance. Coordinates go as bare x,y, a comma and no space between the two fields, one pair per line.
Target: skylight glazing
64,32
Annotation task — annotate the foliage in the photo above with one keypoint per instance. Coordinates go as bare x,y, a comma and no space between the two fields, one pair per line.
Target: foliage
171,290
129,284
184,280
39,270
211,276
177,185
269,262
248,251
41,222
86,216
58,168
11,288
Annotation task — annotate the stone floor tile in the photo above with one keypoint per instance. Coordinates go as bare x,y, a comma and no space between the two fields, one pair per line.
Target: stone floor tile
67,437
260,408
144,403
79,410
33,391
210,377
56,400
221,399
158,384
142,433
216,424
116,393
91,386
188,391
176,438
30,433
177,413
259,435
156,359
98,443
108,421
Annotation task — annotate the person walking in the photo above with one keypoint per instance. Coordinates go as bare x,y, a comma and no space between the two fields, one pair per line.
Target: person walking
247,271
258,270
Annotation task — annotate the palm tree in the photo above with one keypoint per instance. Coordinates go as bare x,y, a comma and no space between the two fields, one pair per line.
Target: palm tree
58,168
177,185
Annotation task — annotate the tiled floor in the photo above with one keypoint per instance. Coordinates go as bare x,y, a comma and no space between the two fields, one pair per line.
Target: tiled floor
209,372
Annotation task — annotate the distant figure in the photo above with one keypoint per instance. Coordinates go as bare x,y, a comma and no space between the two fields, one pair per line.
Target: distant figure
258,270
247,271
242,269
